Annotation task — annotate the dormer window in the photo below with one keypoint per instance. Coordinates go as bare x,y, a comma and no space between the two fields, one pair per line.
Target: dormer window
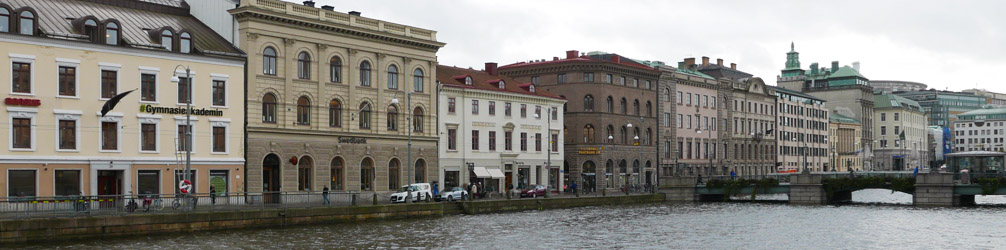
468,80
167,39
111,33
530,88
27,22
502,84
185,42
4,20
90,29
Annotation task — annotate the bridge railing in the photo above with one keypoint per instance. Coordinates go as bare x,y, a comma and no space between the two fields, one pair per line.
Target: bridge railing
972,178
783,178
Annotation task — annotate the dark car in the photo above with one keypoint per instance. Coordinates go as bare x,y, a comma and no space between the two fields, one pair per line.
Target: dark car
534,191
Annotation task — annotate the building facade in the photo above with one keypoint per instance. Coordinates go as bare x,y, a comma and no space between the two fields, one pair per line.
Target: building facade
66,59
902,142
980,130
690,121
337,100
942,107
611,112
498,132
891,86
991,98
751,124
803,132
846,91
844,137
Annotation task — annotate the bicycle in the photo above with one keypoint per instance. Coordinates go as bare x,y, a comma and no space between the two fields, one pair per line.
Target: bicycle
149,202
177,202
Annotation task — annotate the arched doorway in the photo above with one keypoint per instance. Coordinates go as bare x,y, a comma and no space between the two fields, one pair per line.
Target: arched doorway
635,172
270,178
622,171
420,169
338,168
394,173
588,175
367,174
304,169
609,169
649,174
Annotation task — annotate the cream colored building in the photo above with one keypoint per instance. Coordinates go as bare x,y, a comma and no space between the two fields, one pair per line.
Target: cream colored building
803,131
321,99
846,152
902,143
59,72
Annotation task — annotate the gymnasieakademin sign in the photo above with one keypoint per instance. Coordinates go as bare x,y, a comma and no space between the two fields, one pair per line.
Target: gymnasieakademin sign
147,108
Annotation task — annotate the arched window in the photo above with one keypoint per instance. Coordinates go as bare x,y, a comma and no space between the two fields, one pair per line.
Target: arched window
304,167
588,103
335,113
5,20
367,174
625,107
335,69
185,42
635,167
588,133
269,61
168,40
91,29
394,174
417,120
649,108
667,95
112,33
649,136
420,169
269,108
303,111
635,135
392,77
610,105
365,74
417,81
392,118
364,115
609,169
337,171
623,167
635,107
611,134
27,22
625,133
303,65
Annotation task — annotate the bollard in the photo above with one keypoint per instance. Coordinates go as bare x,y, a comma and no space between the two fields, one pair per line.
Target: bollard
352,200
604,192
375,198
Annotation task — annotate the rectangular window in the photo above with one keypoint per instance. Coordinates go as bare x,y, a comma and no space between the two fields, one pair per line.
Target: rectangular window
523,142
67,81
883,116
184,90
688,121
219,93
537,142
450,105
148,87
68,134
492,140
21,78
667,149
555,114
109,135
607,78
22,133
896,116
680,152
492,108
109,84
148,137
452,139
475,107
182,139
506,109
219,139
705,101
508,141
561,78
537,112
148,182
588,76
667,119
219,181
688,99
21,183
523,111
554,143
67,182
635,82
475,140
680,97
623,82
534,79
680,121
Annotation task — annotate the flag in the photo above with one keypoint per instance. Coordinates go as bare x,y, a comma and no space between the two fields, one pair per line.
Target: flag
110,104
902,135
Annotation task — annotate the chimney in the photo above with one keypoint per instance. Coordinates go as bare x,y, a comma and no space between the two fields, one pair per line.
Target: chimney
491,68
681,65
354,13
855,66
733,66
328,8
813,69
689,62
309,3
719,62
834,66
555,58
705,61
570,54
616,58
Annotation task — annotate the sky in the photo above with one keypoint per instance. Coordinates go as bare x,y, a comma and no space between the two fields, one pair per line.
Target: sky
952,45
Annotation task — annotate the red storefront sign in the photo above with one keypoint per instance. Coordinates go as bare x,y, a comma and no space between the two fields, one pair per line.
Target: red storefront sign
22,101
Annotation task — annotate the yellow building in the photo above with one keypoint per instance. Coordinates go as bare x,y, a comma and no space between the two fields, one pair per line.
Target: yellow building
844,138
66,58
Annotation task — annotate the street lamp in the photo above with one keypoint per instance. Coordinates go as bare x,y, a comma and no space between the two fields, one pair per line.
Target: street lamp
548,151
707,149
408,164
804,155
188,122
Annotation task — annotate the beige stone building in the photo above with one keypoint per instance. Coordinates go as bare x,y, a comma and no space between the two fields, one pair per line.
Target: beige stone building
322,91
803,132
64,59
845,135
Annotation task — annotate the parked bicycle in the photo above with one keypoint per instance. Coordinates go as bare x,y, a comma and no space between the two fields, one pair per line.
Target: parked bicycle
149,202
131,206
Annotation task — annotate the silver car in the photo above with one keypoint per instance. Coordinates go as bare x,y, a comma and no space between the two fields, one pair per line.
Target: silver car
452,194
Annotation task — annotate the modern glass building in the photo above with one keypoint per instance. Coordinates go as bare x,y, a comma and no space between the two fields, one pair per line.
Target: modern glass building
942,107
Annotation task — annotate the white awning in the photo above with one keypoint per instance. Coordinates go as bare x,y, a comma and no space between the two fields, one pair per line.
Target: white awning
496,173
481,172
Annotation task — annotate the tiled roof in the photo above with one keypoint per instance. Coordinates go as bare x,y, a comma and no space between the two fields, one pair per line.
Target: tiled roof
586,58
136,17
455,77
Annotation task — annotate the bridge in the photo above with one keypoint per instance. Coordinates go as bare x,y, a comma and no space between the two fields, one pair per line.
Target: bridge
935,189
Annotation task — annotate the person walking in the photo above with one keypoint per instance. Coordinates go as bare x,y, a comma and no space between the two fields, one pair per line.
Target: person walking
733,174
324,196
213,195
574,187
475,190
916,172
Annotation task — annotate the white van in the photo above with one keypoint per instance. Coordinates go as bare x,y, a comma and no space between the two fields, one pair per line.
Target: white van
420,192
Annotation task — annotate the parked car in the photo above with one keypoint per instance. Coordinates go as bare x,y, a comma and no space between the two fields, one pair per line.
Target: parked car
452,194
535,191
420,192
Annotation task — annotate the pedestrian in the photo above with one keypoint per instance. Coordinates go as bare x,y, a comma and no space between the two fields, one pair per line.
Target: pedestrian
475,190
733,174
436,189
916,172
699,180
574,187
324,196
213,195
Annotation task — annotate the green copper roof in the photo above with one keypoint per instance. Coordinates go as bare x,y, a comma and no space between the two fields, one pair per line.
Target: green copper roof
881,101
792,58
995,111
835,117
845,71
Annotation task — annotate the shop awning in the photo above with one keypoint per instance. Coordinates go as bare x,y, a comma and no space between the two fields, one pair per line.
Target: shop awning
481,172
496,173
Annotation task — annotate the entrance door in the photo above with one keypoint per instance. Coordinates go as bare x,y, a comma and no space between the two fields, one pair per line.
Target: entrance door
451,179
270,179
109,187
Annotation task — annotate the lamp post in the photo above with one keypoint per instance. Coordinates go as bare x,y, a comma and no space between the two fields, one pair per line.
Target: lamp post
188,122
408,164
548,151
804,155
710,140
611,140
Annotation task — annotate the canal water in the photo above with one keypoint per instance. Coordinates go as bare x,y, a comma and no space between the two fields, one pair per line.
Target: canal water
877,219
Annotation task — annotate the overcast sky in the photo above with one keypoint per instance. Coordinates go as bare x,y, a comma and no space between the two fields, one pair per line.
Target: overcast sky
945,44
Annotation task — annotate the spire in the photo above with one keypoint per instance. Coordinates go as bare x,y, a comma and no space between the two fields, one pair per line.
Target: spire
792,48
792,62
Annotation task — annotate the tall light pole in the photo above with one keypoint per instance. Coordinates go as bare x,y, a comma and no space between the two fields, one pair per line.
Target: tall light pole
804,155
188,121
710,132
408,164
548,151
627,176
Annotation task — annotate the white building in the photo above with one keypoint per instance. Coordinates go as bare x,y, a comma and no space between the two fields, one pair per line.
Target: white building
980,130
902,141
496,131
